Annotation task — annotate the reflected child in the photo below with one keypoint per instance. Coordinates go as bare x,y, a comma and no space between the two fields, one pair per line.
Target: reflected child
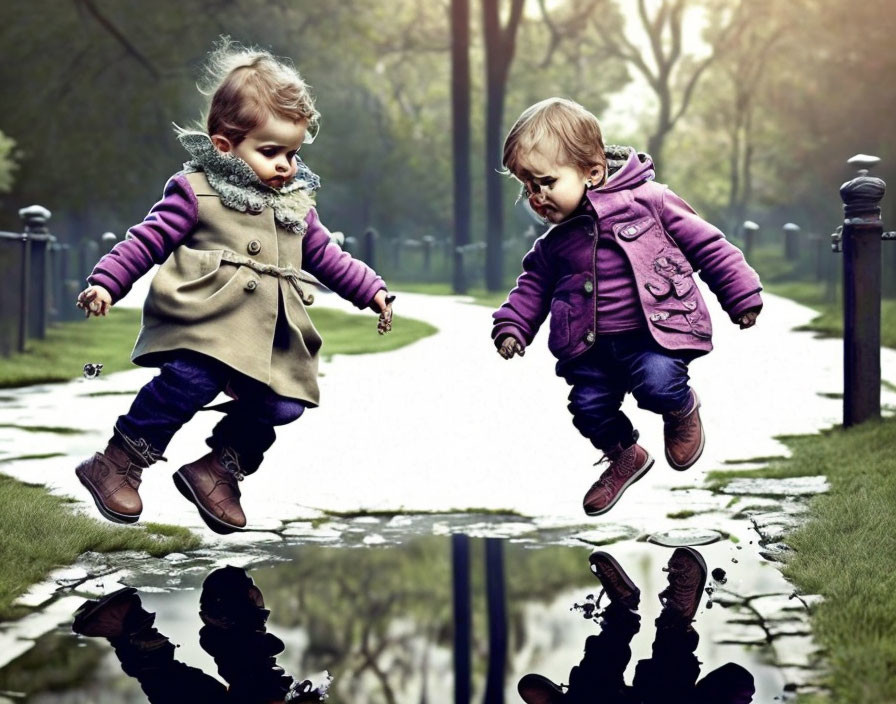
616,275
226,311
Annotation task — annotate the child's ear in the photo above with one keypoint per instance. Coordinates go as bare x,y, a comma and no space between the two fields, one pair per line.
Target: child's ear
596,174
221,143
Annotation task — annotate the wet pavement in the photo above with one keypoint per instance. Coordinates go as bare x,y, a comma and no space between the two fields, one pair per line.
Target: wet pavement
445,425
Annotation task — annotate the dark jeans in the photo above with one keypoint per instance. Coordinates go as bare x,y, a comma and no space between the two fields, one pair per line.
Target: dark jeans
616,365
189,381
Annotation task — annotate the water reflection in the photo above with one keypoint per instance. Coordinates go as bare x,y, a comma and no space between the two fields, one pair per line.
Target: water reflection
428,619
234,634
671,674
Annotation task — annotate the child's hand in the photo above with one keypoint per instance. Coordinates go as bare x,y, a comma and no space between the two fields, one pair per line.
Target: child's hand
748,319
95,300
382,302
511,346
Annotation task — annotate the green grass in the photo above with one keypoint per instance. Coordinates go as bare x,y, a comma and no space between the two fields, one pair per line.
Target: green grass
686,513
480,296
68,346
41,532
62,354
346,333
829,322
846,551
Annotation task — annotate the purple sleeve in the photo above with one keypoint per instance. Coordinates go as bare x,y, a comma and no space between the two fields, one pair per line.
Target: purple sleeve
528,303
166,225
337,269
721,265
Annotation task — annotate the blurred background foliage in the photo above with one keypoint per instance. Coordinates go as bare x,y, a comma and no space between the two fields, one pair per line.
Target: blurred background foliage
750,107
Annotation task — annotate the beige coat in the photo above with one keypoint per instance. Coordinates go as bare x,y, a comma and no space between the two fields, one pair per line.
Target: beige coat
228,310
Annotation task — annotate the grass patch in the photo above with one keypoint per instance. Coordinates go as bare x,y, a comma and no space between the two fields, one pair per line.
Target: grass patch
58,429
347,333
686,513
68,346
846,551
41,533
481,297
829,322
37,456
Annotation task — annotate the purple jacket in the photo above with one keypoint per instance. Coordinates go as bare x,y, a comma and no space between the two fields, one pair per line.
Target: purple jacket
664,242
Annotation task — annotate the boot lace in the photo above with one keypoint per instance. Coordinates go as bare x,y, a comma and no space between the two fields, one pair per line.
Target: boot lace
230,460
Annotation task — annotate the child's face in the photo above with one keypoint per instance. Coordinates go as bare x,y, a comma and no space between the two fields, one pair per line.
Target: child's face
554,189
270,149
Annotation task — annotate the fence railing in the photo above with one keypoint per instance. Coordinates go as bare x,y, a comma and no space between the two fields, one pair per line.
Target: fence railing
40,278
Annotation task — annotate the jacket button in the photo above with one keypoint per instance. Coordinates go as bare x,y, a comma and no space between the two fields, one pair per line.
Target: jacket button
251,285
254,247
589,337
589,286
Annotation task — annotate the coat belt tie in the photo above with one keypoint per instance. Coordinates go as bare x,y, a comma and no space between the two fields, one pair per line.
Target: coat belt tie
290,274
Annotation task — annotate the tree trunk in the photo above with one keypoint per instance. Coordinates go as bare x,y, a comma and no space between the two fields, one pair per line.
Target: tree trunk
460,122
499,49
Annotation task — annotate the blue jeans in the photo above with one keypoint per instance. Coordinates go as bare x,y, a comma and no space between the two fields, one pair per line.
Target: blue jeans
188,382
616,365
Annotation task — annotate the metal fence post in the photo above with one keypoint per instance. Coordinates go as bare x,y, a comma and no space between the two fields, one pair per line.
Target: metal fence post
370,238
35,219
861,241
791,241
750,229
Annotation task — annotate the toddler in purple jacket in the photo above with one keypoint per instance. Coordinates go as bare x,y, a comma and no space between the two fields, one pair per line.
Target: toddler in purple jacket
616,275
226,310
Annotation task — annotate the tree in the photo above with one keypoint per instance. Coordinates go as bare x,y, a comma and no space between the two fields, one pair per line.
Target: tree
671,74
460,130
500,44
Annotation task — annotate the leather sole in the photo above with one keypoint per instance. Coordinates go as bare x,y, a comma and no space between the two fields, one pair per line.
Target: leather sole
211,520
108,513
648,463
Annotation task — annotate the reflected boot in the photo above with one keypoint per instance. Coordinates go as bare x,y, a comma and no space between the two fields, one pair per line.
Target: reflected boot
234,634
113,477
210,483
626,466
670,674
618,586
683,433
144,653
728,684
537,689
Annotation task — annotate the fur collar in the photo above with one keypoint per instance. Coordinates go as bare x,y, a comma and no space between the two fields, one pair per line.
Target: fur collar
242,190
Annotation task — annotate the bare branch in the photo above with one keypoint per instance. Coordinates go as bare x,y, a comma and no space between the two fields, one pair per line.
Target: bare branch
110,27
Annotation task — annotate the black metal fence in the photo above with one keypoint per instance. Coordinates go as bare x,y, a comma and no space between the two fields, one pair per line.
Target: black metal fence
40,278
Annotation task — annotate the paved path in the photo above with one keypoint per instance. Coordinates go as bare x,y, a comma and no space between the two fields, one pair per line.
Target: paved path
447,424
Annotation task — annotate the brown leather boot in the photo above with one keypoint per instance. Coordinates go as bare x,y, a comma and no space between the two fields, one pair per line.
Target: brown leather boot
112,477
211,484
627,465
683,432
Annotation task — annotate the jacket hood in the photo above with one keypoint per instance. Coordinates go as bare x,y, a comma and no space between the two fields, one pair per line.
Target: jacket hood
627,168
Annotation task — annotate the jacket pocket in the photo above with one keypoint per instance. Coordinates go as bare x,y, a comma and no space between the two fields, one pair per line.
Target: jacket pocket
558,340
629,231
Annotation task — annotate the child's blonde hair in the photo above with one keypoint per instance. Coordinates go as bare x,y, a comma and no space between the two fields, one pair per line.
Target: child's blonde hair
249,85
575,130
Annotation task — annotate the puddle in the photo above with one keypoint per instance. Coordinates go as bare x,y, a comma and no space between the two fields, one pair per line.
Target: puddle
375,608
793,486
683,537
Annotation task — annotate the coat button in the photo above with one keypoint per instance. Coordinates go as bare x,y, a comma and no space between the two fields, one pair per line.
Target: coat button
589,286
254,247
251,285
589,337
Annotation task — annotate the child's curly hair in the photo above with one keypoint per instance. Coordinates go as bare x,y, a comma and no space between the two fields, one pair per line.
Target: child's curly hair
247,85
